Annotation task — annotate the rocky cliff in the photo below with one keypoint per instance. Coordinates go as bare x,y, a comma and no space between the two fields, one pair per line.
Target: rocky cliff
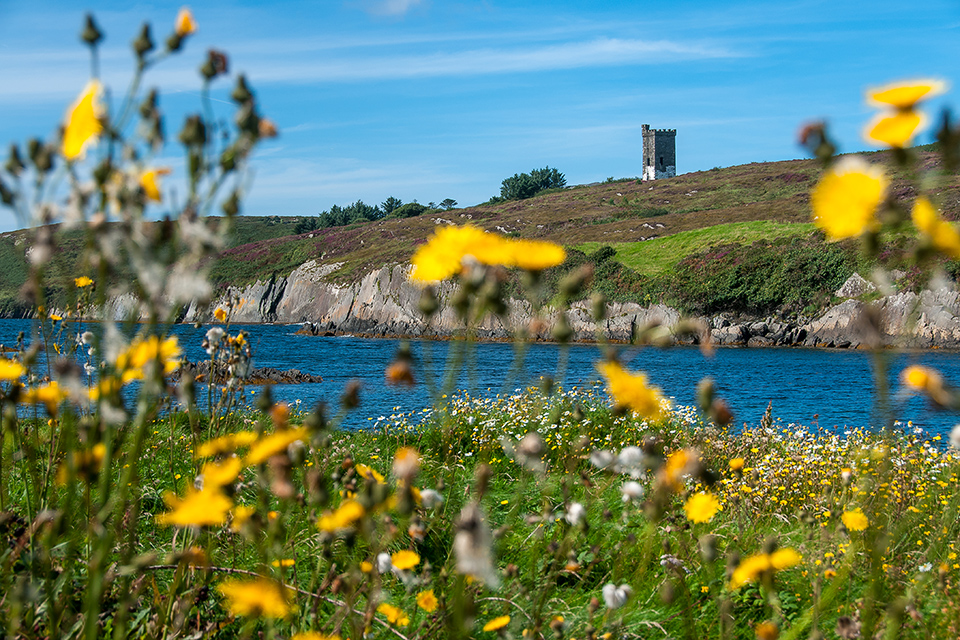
385,303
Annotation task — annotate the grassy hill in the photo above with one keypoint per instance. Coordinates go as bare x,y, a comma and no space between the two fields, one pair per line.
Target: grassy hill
705,241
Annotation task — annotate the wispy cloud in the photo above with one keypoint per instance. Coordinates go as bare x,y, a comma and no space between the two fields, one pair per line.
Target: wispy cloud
599,52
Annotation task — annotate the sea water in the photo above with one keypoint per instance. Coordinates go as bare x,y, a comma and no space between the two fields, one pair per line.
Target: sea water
815,388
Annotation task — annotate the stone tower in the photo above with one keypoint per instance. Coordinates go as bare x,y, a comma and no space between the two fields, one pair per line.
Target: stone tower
659,153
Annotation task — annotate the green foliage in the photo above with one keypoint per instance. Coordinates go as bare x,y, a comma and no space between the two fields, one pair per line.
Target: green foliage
409,210
337,216
526,185
759,278
390,205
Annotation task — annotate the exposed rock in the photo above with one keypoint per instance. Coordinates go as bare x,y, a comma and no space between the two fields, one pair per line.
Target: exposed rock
854,287
256,376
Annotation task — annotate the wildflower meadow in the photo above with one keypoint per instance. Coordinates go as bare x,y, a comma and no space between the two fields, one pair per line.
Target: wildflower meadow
138,499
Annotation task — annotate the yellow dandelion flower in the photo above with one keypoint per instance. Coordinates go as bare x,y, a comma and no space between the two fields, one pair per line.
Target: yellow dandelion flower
346,515
921,378
313,635
149,182
701,507
185,25
11,370
207,508
394,614
405,559
366,566
905,95
216,475
736,464
749,570
370,473
49,394
220,314
855,520
226,444
846,198
427,601
285,562
767,630
239,516
83,125
631,390
943,235
894,129
82,281
497,623
442,255
260,597
145,352
87,464
535,255
785,558
271,445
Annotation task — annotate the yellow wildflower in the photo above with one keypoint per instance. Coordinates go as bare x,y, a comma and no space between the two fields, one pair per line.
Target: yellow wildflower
313,635
49,394
86,463
185,24
240,514
855,520
226,444
897,124
497,623
285,562
736,464
905,95
82,281
427,601
216,475
942,234
260,597
785,558
846,198
150,185
83,124
631,390
271,445
343,518
927,380
11,370
220,314
143,352
701,507
197,509
536,255
751,568
894,129
370,473
767,630
405,559
394,615
443,254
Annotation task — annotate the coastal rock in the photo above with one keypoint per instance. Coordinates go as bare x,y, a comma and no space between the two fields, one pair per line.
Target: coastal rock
855,286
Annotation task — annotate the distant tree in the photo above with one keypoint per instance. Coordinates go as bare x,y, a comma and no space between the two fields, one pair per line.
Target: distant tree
526,185
431,205
408,210
448,204
338,216
307,224
390,205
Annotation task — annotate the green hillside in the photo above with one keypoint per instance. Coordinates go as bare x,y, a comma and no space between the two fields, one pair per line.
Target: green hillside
704,241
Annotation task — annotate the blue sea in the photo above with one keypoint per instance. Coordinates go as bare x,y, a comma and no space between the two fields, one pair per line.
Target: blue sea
830,389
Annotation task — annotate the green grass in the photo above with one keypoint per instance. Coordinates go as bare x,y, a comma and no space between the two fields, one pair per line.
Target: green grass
656,256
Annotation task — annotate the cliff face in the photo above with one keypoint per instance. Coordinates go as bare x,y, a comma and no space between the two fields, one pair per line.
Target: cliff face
385,303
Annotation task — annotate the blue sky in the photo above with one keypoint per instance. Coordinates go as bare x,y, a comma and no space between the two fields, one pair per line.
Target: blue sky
426,99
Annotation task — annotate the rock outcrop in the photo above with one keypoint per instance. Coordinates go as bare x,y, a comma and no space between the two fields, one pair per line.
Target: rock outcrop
385,303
